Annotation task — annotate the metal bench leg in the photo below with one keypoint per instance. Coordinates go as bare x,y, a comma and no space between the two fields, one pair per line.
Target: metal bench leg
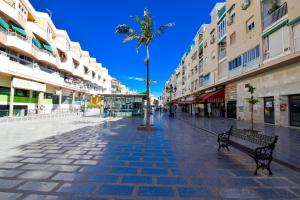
219,146
227,147
257,166
269,167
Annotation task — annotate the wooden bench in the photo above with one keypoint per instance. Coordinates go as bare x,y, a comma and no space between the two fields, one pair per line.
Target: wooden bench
257,145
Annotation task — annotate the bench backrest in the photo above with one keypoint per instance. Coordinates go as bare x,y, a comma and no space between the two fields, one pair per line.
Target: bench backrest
254,137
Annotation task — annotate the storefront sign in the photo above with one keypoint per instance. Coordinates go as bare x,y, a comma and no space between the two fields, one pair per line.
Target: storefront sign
29,85
241,108
283,107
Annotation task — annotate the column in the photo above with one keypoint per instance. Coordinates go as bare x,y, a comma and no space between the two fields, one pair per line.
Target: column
59,99
40,103
11,101
73,100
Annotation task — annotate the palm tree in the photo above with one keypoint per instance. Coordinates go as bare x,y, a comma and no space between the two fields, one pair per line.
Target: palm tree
146,35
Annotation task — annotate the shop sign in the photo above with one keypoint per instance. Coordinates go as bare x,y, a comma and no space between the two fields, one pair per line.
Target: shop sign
29,85
241,108
283,107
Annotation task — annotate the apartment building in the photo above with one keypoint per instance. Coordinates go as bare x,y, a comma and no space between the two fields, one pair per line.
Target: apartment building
256,42
41,69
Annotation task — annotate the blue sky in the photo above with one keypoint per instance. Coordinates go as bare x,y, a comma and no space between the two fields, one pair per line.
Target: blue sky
92,23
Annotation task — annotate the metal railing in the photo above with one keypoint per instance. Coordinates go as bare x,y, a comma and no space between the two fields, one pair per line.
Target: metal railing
36,70
276,15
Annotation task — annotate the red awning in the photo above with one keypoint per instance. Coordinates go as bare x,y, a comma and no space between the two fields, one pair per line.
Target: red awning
187,102
213,97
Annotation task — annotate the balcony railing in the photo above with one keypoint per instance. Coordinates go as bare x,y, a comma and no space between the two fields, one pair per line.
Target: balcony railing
276,15
15,64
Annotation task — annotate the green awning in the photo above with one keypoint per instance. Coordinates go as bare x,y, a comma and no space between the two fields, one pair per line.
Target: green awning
48,48
36,42
19,29
221,12
276,28
3,24
294,21
143,92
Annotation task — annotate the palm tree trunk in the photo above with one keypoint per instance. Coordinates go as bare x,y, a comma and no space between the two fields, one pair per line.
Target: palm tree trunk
148,88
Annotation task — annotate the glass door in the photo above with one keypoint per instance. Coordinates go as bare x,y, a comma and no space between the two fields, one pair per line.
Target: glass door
269,110
231,109
295,110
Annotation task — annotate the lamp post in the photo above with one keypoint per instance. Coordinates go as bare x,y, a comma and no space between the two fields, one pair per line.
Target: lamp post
170,89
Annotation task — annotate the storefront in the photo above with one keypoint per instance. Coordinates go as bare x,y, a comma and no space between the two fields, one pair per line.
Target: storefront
213,103
294,102
231,100
269,111
121,105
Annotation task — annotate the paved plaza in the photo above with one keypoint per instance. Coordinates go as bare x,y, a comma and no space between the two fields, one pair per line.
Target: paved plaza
287,149
111,160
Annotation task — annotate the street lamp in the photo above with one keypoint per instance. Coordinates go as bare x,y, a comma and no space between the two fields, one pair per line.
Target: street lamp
170,89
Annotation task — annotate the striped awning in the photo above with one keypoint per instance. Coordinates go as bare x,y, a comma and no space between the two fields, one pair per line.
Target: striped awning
3,24
18,29
212,97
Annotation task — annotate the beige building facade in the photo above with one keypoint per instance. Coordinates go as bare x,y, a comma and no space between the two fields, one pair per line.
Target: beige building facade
41,69
256,42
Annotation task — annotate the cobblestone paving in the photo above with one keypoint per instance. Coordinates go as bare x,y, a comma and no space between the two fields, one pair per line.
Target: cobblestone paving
114,161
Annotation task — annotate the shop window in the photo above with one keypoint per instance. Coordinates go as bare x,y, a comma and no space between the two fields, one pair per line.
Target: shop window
21,93
48,96
35,94
4,90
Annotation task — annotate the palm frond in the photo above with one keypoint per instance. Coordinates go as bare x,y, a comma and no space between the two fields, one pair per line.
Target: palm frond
148,29
130,37
161,29
123,29
138,20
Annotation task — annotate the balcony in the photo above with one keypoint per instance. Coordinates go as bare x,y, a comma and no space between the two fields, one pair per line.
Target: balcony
19,42
49,58
13,65
271,17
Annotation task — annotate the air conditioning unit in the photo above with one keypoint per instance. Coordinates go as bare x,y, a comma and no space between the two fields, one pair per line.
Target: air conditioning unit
245,4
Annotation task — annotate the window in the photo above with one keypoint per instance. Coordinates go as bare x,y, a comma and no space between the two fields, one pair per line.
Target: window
251,55
4,90
49,33
222,29
22,10
21,93
232,38
250,24
212,36
245,59
48,96
231,17
35,94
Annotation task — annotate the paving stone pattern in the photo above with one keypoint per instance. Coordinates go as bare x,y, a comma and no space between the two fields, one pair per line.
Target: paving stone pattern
113,161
